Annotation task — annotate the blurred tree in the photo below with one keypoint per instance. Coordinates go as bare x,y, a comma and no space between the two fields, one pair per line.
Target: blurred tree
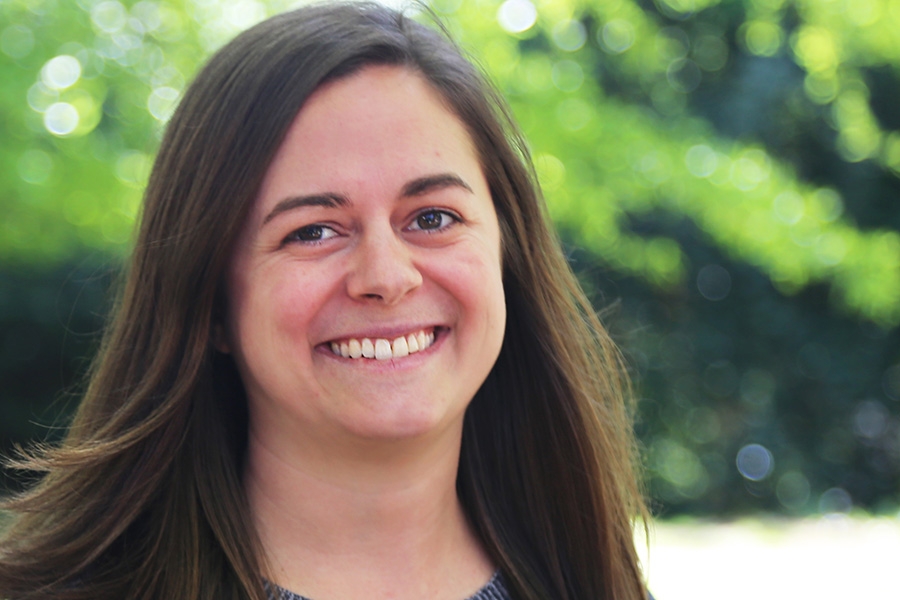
728,169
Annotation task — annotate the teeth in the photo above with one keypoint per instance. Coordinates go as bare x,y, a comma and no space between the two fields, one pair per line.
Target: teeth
400,347
383,349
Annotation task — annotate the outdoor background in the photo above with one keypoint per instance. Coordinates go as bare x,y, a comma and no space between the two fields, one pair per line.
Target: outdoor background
726,179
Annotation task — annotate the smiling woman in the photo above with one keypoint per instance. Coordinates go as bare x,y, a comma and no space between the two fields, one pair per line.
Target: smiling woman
349,359
360,268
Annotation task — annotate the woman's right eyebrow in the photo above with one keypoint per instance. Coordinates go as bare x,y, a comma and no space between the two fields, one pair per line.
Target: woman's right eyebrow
327,200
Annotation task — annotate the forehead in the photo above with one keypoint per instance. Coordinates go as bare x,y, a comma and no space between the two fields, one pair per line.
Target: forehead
381,122
378,96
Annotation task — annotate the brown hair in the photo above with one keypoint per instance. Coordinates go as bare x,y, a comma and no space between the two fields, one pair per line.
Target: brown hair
144,499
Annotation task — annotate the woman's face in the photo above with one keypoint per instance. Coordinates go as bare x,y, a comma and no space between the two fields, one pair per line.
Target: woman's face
373,232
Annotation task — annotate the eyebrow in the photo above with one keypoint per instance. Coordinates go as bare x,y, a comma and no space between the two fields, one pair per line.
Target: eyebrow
416,187
327,200
430,183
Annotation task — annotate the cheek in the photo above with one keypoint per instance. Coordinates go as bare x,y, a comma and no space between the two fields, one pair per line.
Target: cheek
477,283
269,309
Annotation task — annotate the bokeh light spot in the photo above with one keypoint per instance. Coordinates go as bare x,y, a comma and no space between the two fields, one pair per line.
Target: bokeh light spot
701,160
714,282
792,490
821,88
109,16
569,35
757,387
830,248
40,97
681,467
815,48
672,44
788,207
16,41
829,205
161,103
245,13
551,171
61,118
755,462
751,169
567,75
705,425
866,12
710,53
61,72
762,38
133,168
148,14
115,227
835,500
870,419
516,16
663,259
34,166
617,36
684,75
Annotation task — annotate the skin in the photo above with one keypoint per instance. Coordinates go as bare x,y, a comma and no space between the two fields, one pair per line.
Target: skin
374,220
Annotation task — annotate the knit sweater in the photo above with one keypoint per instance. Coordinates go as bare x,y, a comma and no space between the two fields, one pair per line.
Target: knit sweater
493,590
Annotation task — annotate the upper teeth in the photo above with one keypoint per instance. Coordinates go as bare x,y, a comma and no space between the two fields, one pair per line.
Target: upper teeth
383,349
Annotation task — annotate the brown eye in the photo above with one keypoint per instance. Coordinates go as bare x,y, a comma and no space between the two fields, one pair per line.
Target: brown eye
311,234
430,220
434,220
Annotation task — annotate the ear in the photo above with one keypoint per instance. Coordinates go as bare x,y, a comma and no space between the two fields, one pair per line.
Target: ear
219,338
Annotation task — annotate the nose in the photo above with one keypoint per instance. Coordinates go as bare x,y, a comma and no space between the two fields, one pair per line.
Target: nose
382,269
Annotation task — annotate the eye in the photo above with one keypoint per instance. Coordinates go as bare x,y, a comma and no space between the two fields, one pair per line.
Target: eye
433,220
311,234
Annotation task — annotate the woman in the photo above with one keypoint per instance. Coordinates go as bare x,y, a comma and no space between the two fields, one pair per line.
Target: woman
349,359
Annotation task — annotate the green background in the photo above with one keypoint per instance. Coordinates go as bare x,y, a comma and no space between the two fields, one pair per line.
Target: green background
725,175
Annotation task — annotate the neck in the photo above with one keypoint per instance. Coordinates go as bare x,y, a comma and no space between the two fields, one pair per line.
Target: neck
369,521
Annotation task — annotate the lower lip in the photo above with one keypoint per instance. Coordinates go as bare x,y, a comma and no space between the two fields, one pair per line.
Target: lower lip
393,364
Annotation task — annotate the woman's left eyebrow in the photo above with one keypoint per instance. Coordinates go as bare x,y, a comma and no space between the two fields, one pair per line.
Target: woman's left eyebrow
430,183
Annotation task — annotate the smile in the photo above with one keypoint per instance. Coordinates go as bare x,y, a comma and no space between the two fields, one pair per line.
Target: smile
383,349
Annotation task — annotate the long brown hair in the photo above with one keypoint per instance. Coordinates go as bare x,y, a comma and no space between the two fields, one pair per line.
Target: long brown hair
144,500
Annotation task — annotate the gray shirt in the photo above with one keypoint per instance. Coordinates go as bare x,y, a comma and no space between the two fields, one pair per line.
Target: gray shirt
493,590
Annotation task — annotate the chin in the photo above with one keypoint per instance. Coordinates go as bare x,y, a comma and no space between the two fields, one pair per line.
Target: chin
404,427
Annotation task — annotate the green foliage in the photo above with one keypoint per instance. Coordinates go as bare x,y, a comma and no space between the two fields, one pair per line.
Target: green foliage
603,90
